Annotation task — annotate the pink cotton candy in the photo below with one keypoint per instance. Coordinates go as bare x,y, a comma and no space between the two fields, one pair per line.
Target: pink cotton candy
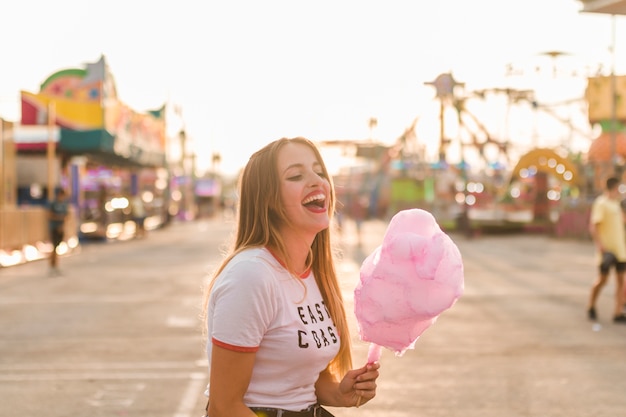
406,283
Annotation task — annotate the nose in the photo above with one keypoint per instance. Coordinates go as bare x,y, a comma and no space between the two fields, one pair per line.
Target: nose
315,180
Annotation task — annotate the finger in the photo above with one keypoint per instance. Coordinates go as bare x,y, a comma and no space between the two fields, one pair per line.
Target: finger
369,376
373,366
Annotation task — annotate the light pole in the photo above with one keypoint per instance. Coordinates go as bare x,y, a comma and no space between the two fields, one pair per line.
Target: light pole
51,150
184,180
614,159
372,123
444,85
2,165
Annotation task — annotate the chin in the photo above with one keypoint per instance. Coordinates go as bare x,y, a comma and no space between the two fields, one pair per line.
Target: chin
323,227
319,227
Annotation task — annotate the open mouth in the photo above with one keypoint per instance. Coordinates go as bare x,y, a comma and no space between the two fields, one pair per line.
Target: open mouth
317,201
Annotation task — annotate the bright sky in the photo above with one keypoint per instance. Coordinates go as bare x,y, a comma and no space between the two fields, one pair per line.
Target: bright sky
248,72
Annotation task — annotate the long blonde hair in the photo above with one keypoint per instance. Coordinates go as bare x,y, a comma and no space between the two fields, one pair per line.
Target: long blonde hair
260,212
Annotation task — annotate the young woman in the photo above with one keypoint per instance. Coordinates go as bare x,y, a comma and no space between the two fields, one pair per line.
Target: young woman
278,340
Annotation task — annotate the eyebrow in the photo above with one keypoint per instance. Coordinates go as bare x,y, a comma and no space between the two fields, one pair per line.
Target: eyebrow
301,165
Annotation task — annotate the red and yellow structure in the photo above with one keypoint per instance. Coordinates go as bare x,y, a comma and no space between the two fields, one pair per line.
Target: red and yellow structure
76,133
93,121
94,145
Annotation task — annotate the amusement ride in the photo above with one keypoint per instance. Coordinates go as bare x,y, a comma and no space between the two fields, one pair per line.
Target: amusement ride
498,183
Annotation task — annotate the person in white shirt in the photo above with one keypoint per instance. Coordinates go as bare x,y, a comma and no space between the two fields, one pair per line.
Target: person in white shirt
606,226
278,341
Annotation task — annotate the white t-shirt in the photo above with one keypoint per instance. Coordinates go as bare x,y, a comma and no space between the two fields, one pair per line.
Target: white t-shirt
257,306
607,214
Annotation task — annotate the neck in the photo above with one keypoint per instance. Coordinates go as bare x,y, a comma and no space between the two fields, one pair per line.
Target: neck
298,247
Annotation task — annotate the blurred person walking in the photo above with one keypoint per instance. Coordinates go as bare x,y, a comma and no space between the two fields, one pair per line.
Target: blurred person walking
58,210
606,226
139,215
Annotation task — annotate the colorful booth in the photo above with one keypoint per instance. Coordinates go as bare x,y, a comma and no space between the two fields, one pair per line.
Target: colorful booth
106,152
93,121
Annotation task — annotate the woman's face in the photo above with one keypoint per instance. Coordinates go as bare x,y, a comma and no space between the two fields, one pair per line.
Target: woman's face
304,189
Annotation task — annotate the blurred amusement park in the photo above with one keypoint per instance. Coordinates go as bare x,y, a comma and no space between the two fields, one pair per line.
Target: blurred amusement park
506,187
76,134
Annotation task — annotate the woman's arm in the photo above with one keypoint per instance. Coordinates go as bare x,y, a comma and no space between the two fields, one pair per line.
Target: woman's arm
356,388
229,379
